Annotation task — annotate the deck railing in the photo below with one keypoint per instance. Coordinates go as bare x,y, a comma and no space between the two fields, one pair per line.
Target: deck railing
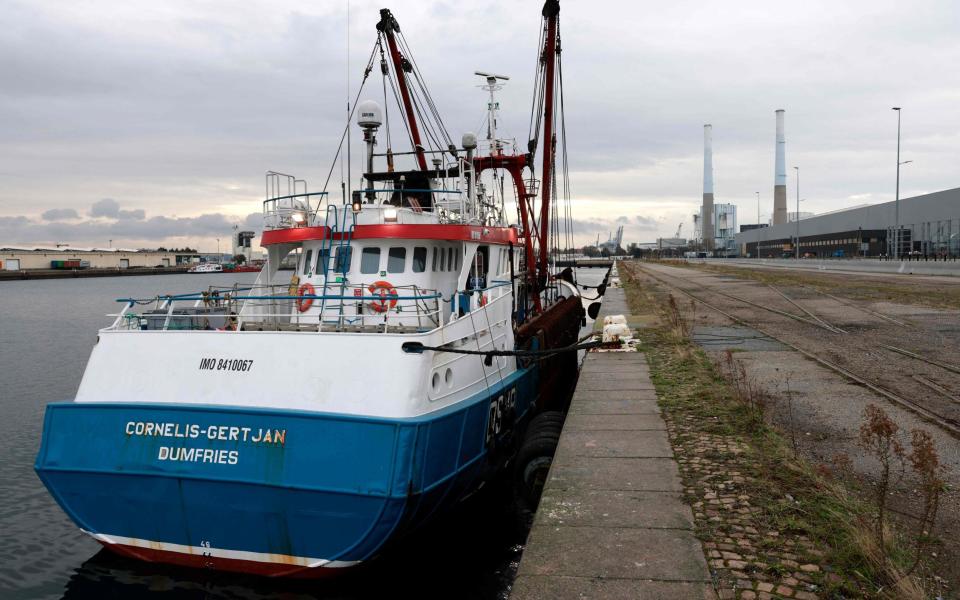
295,210
344,307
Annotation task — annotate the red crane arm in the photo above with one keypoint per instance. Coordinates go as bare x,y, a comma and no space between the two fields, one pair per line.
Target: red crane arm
388,25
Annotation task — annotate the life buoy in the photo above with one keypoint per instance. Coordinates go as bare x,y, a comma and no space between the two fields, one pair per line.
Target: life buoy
483,299
387,293
303,304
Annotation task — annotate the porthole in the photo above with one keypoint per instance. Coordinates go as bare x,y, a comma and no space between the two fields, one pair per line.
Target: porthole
448,377
435,381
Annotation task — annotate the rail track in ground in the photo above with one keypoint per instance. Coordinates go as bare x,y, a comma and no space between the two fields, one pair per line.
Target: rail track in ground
945,416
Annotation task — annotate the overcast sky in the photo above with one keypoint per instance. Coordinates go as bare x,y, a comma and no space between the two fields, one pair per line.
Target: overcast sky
152,123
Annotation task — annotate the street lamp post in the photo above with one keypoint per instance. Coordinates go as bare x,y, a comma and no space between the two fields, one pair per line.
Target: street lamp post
758,224
896,203
797,216
218,249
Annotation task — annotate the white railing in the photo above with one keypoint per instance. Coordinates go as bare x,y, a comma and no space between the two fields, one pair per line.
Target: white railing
341,307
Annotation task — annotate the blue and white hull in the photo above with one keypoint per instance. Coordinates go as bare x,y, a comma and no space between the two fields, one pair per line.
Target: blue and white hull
262,491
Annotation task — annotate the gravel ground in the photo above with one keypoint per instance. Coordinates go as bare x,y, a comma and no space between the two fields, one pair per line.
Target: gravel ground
826,409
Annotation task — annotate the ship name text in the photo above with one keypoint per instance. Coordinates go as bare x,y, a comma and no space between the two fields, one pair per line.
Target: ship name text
193,431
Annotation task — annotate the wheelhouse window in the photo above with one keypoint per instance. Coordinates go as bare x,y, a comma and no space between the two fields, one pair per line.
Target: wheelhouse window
477,279
443,259
396,260
434,259
450,258
419,259
323,260
307,262
370,260
344,258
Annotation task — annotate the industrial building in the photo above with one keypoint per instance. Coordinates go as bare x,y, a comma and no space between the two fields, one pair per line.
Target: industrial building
929,226
242,242
724,230
18,258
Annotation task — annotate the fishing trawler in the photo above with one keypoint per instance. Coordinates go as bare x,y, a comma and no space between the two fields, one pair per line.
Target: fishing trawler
422,346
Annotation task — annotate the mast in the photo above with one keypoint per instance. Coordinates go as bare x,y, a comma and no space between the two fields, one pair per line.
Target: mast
388,25
551,11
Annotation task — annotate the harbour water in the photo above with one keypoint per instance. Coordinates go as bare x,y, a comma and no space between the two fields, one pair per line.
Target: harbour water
47,329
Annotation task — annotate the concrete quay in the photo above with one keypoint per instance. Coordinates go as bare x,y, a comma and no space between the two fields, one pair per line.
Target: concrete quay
612,522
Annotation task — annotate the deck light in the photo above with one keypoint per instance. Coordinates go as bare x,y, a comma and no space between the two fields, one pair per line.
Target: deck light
390,215
298,217
357,202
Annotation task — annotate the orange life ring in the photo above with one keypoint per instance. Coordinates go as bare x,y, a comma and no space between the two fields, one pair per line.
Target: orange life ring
303,304
387,293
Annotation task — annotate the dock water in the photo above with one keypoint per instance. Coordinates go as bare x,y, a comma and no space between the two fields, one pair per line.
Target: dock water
612,522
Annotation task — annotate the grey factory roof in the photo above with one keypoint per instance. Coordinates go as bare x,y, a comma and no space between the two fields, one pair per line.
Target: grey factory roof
937,206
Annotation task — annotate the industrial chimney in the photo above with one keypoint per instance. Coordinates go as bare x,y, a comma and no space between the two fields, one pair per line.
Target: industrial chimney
707,225
780,176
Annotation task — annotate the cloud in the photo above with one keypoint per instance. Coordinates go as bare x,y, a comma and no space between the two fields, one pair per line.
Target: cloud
646,223
590,226
12,224
185,106
108,207
623,220
132,225
59,214
137,213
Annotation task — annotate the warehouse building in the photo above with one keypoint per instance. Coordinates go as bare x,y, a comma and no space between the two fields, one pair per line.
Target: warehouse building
20,258
929,226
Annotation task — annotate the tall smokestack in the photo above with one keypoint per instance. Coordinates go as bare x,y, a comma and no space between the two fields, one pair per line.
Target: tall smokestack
780,176
707,226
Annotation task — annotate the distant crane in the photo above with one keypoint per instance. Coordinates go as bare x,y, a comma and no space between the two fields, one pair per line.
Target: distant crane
679,228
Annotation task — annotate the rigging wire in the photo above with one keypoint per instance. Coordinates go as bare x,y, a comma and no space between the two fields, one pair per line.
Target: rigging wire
396,96
423,85
349,112
366,73
567,196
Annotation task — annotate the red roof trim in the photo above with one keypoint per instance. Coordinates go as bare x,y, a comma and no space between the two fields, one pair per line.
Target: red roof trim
467,233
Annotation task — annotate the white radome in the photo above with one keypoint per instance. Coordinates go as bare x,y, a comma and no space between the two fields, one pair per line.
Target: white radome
369,114
469,140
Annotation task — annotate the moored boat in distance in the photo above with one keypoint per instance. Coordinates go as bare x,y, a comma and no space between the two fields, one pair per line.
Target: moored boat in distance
300,424
206,268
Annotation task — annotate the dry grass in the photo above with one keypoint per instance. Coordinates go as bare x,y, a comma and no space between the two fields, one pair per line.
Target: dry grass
913,291
719,400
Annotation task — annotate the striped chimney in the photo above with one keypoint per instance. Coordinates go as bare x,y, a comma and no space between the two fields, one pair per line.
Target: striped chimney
780,175
706,226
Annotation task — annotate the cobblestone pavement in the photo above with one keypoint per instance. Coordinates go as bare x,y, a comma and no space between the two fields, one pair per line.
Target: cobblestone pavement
746,559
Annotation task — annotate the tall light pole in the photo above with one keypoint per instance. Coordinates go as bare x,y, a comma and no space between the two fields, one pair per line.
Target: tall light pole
896,203
797,216
218,249
758,210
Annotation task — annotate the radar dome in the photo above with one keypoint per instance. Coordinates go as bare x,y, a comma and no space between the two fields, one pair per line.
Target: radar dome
369,114
469,140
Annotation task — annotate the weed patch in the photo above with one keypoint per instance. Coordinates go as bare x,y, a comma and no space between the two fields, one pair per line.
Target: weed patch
770,522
